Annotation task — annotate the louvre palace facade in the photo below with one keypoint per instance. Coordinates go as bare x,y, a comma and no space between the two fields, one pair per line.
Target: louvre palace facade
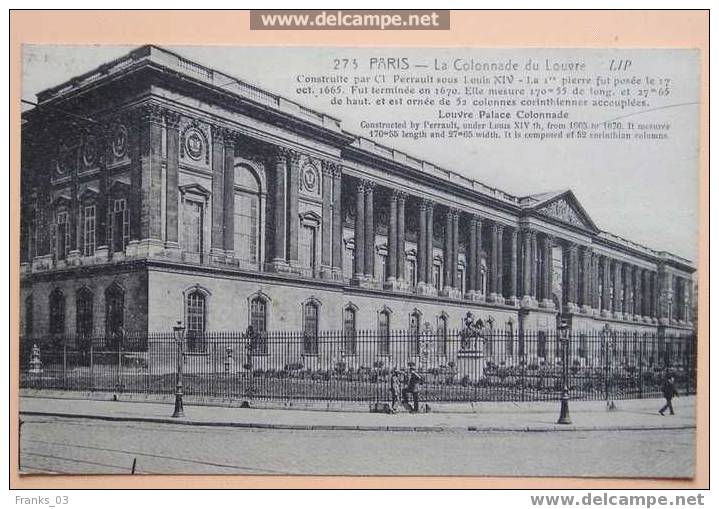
155,189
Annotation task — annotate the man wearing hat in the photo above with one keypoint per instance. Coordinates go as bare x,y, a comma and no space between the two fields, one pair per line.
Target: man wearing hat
413,381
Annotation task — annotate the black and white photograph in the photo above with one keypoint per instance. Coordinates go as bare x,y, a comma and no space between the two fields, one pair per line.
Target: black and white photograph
359,261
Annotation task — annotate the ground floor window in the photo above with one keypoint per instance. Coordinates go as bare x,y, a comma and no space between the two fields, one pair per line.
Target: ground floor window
383,332
350,331
311,328
195,318
84,312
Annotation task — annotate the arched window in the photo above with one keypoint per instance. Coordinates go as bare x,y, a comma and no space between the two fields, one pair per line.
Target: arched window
442,335
415,320
247,215
311,327
29,315
84,312
383,327
114,313
195,318
57,312
350,330
258,322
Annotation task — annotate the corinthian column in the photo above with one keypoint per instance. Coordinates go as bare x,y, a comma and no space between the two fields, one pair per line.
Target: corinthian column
512,287
421,246
337,221
359,234
401,256
392,242
472,264
369,239
526,268
448,244
279,260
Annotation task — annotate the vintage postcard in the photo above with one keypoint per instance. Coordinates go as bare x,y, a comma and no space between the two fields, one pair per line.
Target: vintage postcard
358,261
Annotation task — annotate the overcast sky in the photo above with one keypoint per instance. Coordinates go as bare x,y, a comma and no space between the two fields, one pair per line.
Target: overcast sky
644,191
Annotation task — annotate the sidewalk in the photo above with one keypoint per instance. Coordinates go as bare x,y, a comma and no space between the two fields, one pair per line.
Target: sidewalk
508,417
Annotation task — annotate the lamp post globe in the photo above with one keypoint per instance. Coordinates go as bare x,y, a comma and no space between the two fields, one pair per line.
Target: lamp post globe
179,335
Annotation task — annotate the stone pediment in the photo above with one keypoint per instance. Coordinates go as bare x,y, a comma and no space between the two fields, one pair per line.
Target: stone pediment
566,208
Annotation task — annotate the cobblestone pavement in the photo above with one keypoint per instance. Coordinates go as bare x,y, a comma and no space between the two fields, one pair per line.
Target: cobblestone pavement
77,445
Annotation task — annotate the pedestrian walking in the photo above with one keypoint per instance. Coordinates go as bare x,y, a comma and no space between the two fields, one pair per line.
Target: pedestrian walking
395,387
669,390
414,379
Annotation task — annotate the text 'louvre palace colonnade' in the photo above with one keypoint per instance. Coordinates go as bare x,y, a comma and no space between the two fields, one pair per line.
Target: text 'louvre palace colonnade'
155,189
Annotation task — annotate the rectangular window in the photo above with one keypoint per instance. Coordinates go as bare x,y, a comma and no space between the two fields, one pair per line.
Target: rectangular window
192,226
381,269
460,279
88,229
62,236
437,276
246,231
411,268
120,225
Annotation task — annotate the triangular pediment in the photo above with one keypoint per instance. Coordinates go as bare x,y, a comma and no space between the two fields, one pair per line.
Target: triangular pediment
564,207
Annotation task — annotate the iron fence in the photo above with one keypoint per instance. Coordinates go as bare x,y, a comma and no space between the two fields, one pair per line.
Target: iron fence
456,366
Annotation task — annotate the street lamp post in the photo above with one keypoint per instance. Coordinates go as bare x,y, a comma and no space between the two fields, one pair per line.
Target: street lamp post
608,346
179,334
564,409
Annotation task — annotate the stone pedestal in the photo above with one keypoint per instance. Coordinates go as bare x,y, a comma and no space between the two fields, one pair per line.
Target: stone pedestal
102,254
470,363
425,289
547,304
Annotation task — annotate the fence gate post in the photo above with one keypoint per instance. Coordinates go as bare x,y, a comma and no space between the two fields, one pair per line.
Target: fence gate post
64,366
92,367
639,370
119,368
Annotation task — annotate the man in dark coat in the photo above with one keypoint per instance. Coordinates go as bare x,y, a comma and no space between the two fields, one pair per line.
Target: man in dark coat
413,380
669,390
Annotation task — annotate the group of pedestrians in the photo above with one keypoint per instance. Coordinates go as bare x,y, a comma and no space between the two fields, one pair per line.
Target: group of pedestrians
403,385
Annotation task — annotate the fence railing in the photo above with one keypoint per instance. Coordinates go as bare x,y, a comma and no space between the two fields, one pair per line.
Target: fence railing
356,366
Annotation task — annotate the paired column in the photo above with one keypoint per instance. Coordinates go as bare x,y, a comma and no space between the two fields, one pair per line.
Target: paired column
638,293
571,272
293,219
472,259
618,293
512,286
337,221
449,255
646,293
586,297
369,234
495,277
628,308
364,232
527,262
429,245
606,281
396,258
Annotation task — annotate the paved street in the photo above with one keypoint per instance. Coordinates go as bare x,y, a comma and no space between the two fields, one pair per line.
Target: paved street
77,445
